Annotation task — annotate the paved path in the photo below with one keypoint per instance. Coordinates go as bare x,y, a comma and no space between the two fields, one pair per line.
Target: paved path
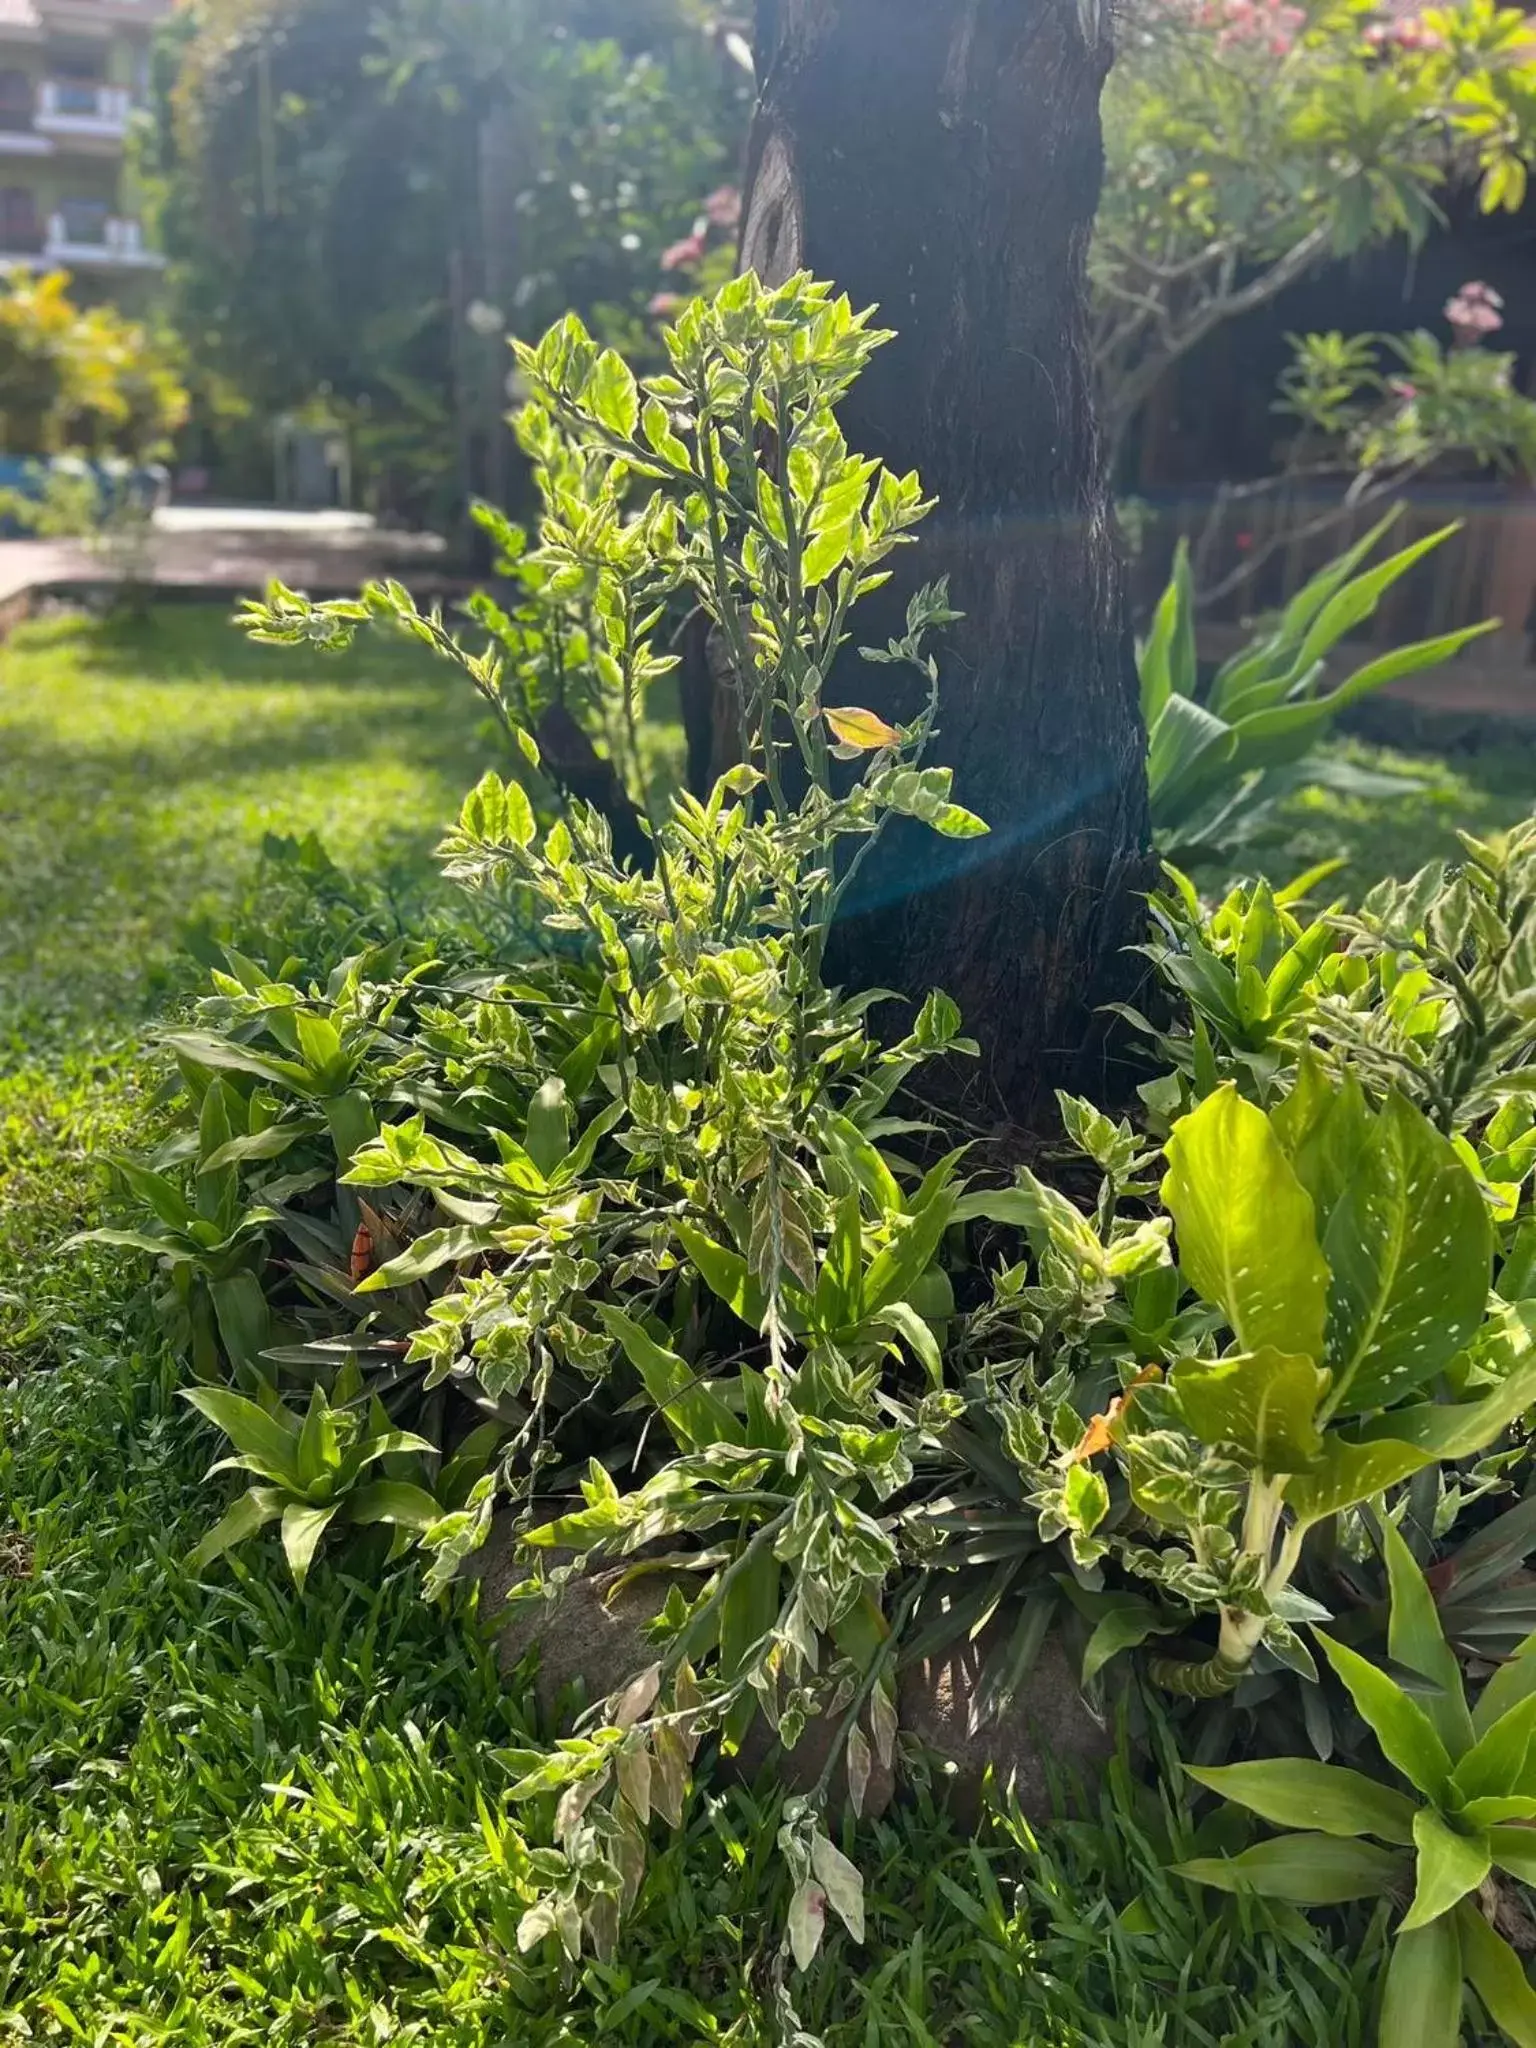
238,549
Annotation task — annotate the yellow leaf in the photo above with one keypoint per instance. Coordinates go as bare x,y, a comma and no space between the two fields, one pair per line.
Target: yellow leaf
863,729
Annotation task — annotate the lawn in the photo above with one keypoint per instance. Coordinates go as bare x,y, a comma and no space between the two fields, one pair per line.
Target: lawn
230,1813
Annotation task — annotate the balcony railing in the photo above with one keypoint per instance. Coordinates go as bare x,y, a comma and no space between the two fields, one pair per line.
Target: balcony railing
72,107
87,238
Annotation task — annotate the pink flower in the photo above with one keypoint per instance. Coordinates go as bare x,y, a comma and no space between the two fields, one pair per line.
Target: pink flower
664,305
722,209
684,254
1242,542
1403,389
1474,311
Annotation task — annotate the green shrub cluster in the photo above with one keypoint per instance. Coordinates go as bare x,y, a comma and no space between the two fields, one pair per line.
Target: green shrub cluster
628,1226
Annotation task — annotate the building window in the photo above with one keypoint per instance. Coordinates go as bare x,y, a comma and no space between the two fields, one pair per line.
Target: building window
16,99
21,231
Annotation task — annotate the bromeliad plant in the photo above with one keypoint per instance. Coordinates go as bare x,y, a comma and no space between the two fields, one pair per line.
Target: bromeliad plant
1221,757
1448,1845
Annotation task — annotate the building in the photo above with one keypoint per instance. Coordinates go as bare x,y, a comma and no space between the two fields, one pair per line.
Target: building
72,73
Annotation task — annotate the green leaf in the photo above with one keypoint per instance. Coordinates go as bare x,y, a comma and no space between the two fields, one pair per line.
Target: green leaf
547,1138
1125,1622
204,1050
395,1501
1188,749
1305,1870
1348,1473
1450,1865
749,1610
319,1444
1296,1792
434,1248
1262,1404
1509,1685
1416,1639
613,395
1421,2000
1408,1738
1514,1850
904,1319
1245,1231
253,1432
1450,1430
896,1269
303,1527
696,1416
725,1272
324,1055
251,1512
1495,1766
1410,1247
1498,1977
1167,660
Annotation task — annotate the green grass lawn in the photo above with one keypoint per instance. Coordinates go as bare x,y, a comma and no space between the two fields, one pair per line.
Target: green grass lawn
233,1814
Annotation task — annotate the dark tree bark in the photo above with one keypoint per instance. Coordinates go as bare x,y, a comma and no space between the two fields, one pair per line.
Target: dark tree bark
942,158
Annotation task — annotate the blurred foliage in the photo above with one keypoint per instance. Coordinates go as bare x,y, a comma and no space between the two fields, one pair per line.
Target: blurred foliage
76,378
344,189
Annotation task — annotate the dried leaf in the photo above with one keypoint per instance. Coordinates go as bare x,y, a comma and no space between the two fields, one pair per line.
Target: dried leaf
861,729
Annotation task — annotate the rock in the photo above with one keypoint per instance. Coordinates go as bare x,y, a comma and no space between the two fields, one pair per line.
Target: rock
1047,1728
590,1646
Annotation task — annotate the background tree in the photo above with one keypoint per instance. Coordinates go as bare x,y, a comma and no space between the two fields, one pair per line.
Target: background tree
323,195
943,161
1252,143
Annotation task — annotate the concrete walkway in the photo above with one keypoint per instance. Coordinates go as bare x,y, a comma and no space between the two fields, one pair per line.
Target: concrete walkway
232,551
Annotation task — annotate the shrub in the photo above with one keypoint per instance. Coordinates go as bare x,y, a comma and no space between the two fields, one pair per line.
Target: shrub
636,1198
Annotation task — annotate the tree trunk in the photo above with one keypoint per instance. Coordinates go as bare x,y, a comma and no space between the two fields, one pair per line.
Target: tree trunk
943,159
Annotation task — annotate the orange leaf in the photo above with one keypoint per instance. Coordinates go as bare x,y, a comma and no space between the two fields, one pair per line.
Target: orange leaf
865,730
1100,1433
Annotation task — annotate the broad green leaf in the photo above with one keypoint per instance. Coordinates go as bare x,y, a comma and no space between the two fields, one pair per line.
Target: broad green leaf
1348,1473
1416,1639
1498,1977
207,1051
1408,1738
694,1413
1125,1623
1450,1865
1323,1126
749,1610
1305,1870
1509,1685
839,1283
547,1138
1296,1792
904,1319
1187,751
252,1511
273,1439
1410,1247
396,1501
1167,659
613,395
244,1319
434,1248
319,1444
1449,1430
1360,596
1495,1766
1490,1812
1246,1239
1514,1850
1263,1404
303,1528
1421,2000
726,1274
895,1270
324,1055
